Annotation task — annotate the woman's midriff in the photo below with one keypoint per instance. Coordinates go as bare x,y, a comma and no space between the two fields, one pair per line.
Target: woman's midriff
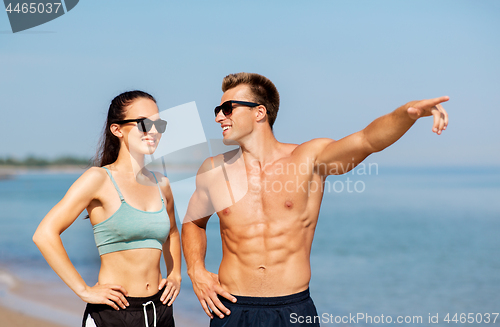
137,271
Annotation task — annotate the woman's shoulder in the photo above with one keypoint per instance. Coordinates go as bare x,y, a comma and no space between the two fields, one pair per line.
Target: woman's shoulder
95,173
93,177
89,183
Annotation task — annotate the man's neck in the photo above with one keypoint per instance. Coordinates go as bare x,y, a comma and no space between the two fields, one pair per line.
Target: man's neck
261,146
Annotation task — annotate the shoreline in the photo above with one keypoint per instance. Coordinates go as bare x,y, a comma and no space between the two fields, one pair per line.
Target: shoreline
25,302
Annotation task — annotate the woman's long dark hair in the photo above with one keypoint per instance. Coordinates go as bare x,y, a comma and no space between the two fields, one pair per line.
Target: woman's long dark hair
109,144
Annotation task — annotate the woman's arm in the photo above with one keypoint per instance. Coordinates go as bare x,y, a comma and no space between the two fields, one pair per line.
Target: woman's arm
171,251
47,238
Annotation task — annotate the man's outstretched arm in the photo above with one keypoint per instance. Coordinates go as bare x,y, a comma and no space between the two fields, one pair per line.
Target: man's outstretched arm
338,157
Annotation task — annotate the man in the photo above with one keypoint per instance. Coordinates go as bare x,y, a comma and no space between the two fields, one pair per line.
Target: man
267,196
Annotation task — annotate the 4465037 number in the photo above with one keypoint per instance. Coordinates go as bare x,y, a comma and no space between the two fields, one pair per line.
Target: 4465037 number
472,318
32,8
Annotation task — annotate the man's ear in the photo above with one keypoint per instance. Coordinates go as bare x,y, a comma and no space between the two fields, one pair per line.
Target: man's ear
115,130
261,112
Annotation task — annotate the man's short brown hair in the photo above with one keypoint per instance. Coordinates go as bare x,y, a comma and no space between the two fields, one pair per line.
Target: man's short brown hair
263,90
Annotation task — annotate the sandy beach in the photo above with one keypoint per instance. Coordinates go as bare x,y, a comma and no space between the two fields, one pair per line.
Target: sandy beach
35,303
11,318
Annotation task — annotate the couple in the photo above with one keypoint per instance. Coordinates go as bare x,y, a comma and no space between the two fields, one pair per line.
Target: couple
266,235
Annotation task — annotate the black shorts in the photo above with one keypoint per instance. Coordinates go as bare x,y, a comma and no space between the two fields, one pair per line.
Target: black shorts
280,311
140,310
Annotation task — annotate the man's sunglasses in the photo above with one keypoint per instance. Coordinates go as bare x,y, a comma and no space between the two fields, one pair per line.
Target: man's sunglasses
227,107
145,124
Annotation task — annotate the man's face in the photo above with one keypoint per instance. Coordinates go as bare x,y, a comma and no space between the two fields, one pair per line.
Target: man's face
240,122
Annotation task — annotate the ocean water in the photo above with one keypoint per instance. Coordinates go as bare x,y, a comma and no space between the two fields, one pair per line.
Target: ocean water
396,242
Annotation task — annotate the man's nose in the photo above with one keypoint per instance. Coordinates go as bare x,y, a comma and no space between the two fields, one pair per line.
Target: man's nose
219,117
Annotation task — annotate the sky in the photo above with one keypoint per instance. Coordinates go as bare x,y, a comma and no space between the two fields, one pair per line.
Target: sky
337,64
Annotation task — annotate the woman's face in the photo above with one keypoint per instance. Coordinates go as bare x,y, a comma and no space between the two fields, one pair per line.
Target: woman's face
136,140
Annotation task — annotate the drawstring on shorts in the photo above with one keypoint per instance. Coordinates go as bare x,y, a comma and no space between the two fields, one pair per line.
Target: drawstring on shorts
144,305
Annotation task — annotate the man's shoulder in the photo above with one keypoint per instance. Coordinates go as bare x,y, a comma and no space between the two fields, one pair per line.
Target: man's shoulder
312,146
224,158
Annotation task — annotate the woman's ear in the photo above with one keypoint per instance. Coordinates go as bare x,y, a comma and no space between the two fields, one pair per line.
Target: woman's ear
115,130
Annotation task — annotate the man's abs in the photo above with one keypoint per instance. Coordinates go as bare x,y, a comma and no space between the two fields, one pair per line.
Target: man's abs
270,259
267,234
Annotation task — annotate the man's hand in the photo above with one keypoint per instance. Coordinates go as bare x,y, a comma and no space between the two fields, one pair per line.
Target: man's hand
206,287
423,108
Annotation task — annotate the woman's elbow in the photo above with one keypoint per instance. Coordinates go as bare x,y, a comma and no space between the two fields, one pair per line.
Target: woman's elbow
40,236
37,237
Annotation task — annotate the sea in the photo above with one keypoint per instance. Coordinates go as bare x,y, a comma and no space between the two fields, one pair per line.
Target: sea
416,246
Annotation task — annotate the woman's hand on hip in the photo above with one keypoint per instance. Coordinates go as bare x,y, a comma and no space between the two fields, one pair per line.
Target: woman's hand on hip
112,295
172,288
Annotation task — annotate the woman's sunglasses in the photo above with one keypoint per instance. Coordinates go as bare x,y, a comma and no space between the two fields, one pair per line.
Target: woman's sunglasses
145,124
227,107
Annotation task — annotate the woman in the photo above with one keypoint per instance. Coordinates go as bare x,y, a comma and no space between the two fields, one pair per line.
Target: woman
128,207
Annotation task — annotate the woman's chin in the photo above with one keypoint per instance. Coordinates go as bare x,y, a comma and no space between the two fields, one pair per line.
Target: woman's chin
145,150
150,150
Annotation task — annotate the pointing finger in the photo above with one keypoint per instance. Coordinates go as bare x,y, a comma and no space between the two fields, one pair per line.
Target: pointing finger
435,101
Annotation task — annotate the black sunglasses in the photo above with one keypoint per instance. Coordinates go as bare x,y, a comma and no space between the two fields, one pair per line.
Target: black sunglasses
145,124
227,107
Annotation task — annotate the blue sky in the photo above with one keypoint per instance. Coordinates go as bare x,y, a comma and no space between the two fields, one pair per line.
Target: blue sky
337,64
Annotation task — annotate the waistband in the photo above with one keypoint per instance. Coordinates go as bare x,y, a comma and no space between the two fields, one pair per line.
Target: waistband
269,301
135,303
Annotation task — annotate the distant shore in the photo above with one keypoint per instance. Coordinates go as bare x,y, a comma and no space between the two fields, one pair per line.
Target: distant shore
9,172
